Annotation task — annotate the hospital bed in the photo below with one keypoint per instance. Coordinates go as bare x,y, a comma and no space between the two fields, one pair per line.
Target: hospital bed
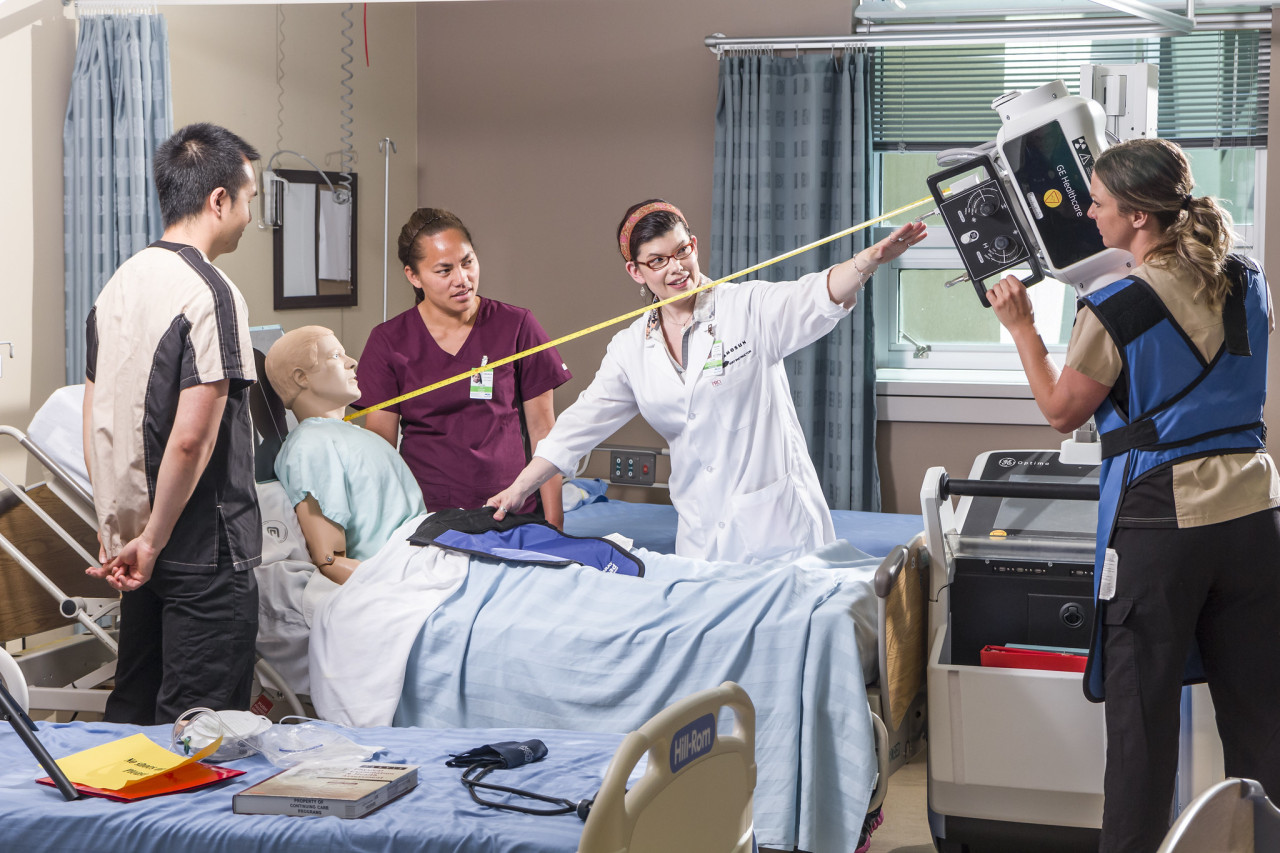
644,801
883,643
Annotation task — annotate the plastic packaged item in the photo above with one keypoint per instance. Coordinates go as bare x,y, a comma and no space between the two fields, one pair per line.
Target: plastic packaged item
311,741
199,727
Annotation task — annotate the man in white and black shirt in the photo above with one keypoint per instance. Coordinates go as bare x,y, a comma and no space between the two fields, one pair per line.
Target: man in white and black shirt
169,444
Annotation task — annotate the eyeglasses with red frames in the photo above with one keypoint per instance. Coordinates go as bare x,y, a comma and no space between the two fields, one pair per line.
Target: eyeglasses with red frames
658,262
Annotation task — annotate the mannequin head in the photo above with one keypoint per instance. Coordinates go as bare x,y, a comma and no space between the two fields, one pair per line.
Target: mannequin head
312,373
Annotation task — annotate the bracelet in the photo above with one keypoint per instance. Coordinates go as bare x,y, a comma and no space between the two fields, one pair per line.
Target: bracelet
864,273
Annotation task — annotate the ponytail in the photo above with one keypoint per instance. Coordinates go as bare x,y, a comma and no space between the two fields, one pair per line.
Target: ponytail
1199,239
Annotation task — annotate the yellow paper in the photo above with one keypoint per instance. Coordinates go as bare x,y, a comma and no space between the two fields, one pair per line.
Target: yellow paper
121,763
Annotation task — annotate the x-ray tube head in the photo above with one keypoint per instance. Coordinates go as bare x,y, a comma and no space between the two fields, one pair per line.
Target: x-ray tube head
1046,146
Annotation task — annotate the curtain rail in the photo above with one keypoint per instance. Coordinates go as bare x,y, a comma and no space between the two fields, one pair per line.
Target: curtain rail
113,7
977,32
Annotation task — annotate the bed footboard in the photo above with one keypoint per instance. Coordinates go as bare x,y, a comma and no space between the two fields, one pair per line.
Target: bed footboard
902,604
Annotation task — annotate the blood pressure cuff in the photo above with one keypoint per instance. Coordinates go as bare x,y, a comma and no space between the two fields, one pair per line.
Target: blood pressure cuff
503,755
521,538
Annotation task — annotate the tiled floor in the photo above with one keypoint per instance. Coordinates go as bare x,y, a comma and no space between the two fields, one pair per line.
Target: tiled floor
906,823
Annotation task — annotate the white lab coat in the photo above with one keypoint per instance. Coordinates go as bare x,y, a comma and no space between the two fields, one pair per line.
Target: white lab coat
741,479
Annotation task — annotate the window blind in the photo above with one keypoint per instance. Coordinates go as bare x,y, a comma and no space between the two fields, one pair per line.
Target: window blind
1213,86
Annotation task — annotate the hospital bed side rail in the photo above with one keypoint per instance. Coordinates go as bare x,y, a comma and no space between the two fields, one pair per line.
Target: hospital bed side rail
84,611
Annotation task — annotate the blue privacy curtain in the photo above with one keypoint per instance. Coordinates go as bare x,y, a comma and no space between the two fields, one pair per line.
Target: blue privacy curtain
792,165
118,112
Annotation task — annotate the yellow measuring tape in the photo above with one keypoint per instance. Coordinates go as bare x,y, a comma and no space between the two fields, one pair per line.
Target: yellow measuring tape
636,313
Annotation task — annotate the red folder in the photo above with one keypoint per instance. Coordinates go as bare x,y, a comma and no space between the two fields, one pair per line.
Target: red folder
1000,656
185,778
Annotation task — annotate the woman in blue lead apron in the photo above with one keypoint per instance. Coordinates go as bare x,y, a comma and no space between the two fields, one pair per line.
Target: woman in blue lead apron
1171,361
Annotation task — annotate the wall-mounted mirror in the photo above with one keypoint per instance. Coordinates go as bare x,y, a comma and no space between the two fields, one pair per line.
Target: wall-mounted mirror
315,242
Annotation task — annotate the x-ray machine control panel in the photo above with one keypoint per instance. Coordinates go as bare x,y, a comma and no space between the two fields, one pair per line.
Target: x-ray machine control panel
983,226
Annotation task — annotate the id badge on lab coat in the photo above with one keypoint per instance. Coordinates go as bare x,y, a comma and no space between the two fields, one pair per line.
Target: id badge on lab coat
715,360
482,383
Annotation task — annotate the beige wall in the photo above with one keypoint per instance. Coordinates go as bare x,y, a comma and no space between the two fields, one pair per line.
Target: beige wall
223,61
540,122
906,451
36,48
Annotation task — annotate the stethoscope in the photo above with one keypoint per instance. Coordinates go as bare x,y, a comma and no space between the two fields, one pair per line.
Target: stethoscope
482,761
471,781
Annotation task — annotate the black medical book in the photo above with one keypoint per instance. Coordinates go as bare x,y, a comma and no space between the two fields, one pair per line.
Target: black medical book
346,791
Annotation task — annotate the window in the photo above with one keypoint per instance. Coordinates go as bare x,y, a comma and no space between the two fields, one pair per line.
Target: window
929,99
941,326
1212,89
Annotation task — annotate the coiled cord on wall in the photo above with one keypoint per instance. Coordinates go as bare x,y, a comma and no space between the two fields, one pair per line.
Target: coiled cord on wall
347,105
279,77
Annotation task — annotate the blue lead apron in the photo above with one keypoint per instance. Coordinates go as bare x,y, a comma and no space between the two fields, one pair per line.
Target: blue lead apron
522,538
1169,404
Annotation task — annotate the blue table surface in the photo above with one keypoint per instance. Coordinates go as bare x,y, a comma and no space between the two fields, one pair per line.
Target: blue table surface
436,815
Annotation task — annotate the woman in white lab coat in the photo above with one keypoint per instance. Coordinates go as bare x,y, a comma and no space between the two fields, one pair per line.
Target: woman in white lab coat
706,372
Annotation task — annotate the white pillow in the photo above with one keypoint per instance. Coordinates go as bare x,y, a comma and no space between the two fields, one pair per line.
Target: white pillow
281,535
57,429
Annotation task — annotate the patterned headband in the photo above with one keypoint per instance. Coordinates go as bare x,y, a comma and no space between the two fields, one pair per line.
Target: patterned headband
430,220
624,239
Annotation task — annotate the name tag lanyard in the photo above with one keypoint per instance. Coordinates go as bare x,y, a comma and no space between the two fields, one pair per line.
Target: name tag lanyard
482,382
715,359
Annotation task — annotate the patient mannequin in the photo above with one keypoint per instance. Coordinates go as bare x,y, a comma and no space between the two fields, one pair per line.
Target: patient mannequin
349,487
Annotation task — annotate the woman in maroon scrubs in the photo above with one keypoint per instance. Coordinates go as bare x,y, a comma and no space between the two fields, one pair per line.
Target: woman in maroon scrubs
463,441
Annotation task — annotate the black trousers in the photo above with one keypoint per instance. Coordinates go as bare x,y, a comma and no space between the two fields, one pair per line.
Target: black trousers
186,641
1217,585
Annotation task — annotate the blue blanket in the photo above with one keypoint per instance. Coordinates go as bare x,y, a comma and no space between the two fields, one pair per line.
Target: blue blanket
574,648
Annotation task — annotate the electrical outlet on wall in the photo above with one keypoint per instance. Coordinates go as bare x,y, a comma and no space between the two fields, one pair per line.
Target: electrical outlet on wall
632,466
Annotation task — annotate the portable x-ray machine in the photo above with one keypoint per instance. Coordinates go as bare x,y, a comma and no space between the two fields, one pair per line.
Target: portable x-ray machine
1016,756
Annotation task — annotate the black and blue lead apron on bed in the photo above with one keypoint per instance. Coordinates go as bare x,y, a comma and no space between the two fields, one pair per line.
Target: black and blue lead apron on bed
1170,405
521,538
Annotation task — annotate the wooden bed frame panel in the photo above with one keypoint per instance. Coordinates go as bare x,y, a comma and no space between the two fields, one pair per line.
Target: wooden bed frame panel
26,607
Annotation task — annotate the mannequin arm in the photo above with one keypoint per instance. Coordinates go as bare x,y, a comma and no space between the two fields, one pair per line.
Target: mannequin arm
326,542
